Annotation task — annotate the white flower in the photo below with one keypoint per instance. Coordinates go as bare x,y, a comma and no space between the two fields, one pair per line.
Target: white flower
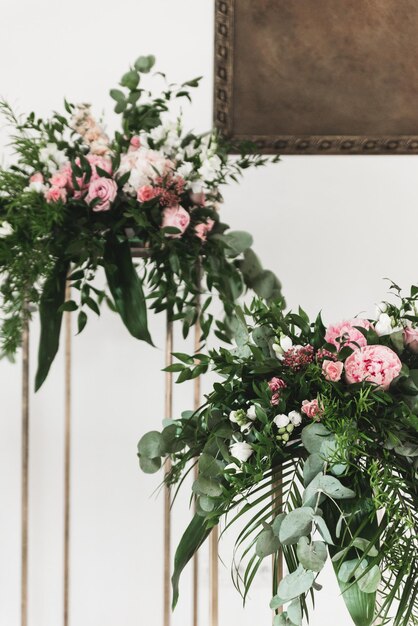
281,421
6,229
285,343
241,451
210,168
251,412
240,417
158,133
197,186
383,325
36,186
295,417
381,308
185,169
52,157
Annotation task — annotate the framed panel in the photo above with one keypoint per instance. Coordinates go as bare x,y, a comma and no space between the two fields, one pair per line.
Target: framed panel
318,76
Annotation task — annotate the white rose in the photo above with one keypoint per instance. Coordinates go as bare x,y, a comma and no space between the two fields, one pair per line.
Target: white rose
381,308
384,325
52,157
197,186
36,186
251,412
295,418
158,133
210,168
185,170
241,451
281,421
6,229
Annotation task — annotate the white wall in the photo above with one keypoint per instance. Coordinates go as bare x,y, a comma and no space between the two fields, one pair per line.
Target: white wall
331,227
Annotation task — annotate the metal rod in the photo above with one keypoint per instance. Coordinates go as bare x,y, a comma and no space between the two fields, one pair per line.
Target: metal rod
196,401
25,472
277,558
67,459
214,578
167,496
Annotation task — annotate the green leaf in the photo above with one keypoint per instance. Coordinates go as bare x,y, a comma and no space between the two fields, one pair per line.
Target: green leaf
145,63
369,582
349,568
69,306
333,488
267,543
149,466
313,437
194,536
81,321
126,288
312,555
313,466
295,584
266,285
209,466
323,529
130,80
207,487
237,241
52,299
294,612
117,95
150,445
277,523
296,524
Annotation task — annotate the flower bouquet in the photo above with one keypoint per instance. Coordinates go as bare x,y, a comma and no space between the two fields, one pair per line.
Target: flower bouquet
77,200
312,439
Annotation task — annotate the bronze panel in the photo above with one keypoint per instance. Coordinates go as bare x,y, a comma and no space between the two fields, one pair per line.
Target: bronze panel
318,76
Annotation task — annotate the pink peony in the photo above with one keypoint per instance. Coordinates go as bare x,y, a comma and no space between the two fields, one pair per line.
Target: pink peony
54,194
373,364
203,229
36,178
105,189
347,333
146,193
410,337
98,161
276,383
332,370
311,408
176,217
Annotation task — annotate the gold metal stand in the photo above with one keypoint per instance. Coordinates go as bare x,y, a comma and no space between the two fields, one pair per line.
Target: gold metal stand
67,459
25,474
167,494
277,559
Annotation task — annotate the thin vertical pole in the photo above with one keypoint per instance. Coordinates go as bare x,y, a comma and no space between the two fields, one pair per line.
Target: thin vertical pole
25,472
214,577
277,558
67,458
196,404
167,496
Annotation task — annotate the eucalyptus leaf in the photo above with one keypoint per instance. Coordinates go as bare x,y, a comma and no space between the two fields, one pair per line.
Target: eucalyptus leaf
150,445
296,524
313,466
333,488
348,568
369,582
207,487
149,466
237,241
312,555
313,437
295,584
267,543
323,529
294,612
277,522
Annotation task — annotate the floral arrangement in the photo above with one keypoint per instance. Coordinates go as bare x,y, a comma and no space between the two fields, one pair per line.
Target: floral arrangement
77,200
312,436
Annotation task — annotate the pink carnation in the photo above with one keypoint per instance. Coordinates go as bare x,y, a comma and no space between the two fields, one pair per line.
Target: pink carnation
54,194
176,217
203,229
346,334
276,383
105,189
410,337
146,193
275,399
311,408
373,364
332,370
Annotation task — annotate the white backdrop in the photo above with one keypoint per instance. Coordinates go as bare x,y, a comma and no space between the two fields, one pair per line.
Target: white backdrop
331,227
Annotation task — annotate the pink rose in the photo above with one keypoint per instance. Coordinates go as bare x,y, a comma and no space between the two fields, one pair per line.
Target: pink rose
373,364
135,143
276,383
54,194
410,337
59,179
98,161
275,399
332,370
311,408
146,193
201,230
36,178
198,198
105,189
176,217
347,334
